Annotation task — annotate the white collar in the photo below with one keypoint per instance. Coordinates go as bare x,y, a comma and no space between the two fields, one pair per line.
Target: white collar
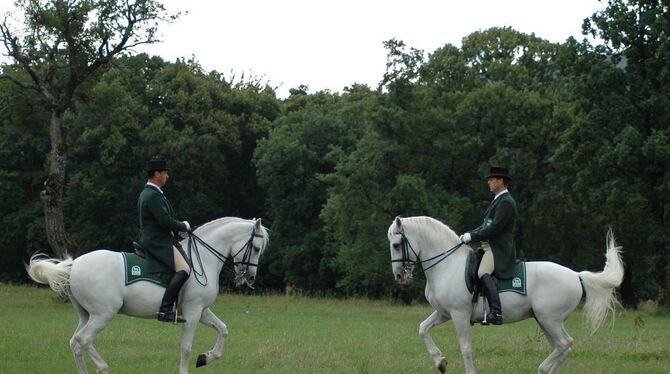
155,185
500,193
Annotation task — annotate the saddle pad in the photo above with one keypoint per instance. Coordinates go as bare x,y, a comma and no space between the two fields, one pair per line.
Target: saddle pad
135,271
515,284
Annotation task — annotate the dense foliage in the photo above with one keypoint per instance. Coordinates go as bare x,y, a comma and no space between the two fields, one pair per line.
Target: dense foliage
62,46
582,126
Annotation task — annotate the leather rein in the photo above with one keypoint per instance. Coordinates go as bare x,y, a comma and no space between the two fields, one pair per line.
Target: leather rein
408,262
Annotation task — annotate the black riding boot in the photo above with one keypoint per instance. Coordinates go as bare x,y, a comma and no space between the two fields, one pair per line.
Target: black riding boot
166,312
491,292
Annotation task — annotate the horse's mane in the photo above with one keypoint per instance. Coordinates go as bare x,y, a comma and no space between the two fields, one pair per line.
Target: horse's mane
219,222
430,229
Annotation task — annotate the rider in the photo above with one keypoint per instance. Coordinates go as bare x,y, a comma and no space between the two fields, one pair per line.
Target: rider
497,236
158,232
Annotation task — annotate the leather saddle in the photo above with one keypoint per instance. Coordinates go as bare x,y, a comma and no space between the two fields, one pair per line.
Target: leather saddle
139,250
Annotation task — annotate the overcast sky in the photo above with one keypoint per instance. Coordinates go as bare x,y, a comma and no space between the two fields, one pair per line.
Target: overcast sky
334,43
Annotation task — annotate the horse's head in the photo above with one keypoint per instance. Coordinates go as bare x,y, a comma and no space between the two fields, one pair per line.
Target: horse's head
245,259
403,257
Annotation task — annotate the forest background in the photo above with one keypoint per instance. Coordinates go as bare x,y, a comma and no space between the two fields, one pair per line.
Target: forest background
582,125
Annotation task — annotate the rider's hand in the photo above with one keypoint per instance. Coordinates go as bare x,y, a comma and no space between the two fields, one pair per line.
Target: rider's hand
465,238
188,227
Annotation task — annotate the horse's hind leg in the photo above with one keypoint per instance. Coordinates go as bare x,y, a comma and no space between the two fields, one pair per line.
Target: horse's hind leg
433,320
74,343
210,319
100,364
83,341
564,356
560,340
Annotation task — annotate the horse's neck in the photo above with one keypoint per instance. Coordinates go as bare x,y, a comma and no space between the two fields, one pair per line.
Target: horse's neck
218,237
452,263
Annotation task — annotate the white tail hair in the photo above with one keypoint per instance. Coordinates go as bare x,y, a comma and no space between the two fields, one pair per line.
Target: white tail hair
599,287
54,272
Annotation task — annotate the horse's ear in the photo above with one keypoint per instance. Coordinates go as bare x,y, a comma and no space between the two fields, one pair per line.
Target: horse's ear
258,224
398,222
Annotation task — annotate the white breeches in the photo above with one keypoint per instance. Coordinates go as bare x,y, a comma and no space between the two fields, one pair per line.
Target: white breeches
487,264
180,263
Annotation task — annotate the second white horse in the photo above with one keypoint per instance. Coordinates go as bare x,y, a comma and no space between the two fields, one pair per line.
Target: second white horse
553,291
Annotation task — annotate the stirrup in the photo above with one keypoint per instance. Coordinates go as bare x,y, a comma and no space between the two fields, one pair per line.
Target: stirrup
484,322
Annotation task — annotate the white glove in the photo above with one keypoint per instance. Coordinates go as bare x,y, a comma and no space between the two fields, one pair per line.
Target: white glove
188,227
465,238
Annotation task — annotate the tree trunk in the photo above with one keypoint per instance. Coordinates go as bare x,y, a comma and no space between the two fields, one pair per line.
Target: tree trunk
52,194
662,278
627,292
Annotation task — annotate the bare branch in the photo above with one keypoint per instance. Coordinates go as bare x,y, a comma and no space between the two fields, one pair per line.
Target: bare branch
18,82
13,47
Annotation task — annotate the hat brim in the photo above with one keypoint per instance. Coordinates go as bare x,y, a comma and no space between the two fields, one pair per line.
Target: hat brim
504,176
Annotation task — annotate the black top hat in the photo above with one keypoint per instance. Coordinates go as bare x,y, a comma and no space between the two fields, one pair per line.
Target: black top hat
156,165
499,172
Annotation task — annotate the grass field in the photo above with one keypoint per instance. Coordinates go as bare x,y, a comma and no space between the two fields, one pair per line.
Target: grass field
290,334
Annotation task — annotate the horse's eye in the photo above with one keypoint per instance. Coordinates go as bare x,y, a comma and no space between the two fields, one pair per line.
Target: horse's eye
396,245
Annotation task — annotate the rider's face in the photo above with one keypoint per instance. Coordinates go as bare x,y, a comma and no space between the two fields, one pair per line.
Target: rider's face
161,177
496,184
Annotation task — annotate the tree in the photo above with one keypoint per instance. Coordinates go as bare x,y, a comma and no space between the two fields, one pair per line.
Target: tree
23,143
618,152
66,43
304,146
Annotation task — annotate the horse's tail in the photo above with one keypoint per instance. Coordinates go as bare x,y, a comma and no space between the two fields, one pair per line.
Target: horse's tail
599,287
54,272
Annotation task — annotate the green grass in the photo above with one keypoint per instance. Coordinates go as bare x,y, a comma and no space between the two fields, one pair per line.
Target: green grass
290,334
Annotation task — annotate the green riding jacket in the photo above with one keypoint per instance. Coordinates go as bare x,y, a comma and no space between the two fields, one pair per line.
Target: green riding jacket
157,229
498,230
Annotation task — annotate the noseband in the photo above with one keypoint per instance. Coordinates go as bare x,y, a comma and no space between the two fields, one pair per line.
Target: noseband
408,262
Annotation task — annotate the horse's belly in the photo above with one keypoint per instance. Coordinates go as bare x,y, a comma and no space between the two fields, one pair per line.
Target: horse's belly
142,299
514,307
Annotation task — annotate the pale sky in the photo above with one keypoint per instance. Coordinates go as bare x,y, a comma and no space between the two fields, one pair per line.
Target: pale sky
334,43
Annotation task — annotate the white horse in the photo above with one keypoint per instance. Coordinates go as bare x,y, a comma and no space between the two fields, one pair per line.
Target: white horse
95,284
553,291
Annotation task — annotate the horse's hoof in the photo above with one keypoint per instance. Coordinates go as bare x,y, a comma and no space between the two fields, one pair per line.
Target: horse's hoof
202,361
442,367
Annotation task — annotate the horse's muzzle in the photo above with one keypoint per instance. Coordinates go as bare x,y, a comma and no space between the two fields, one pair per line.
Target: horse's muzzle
404,278
245,278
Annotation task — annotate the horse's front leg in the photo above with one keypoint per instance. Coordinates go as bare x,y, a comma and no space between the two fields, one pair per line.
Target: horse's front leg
462,324
433,320
210,319
192,316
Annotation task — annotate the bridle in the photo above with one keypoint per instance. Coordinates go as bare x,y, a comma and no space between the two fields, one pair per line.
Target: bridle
408,262
247,248
194,252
